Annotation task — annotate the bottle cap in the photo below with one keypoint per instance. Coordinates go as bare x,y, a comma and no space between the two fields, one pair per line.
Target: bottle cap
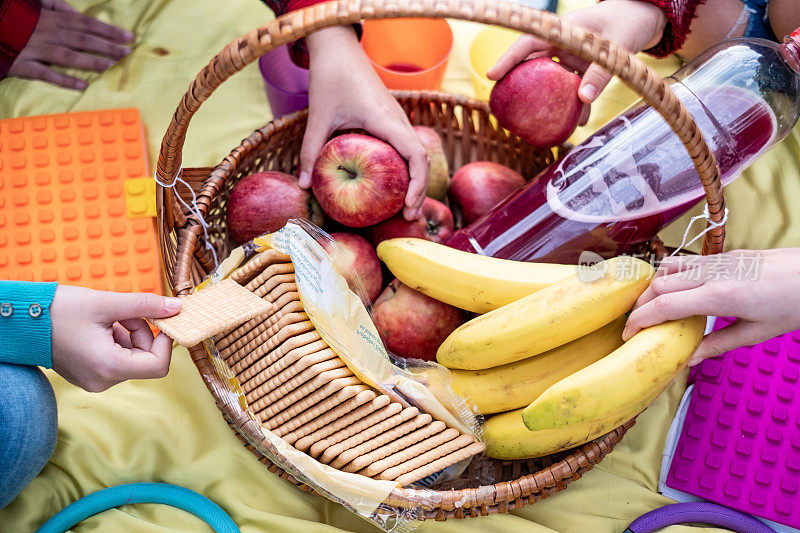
794,36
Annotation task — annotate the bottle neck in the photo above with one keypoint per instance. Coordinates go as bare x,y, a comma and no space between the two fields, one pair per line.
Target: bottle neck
791,50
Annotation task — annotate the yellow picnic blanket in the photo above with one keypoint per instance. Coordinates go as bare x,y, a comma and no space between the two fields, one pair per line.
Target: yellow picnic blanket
170,431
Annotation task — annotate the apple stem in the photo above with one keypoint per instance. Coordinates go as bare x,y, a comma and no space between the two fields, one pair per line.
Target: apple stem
432,227
353,175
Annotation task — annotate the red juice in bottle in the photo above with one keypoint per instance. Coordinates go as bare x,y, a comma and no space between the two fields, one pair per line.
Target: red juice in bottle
618,188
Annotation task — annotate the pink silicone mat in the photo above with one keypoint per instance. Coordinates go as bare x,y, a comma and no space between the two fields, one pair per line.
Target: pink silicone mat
740,441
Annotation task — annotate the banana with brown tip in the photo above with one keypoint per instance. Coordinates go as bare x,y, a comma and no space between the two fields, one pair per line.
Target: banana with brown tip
506,436
647,362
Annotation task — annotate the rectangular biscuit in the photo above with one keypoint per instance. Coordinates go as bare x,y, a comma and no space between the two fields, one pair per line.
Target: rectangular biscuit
211,311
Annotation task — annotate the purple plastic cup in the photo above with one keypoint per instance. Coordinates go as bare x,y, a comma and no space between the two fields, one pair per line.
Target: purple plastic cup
286,83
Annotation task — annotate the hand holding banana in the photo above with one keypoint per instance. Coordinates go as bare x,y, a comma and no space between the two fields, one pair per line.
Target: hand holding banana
548,352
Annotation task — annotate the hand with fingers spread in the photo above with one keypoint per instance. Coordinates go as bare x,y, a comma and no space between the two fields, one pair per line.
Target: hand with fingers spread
760,288
64,37
345,92
100,339
635,25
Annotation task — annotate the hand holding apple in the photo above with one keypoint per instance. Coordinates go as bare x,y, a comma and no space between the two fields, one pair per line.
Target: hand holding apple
641,27
359,180
538,101
346,93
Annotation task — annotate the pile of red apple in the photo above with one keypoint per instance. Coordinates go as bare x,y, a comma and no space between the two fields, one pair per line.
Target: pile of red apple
359,184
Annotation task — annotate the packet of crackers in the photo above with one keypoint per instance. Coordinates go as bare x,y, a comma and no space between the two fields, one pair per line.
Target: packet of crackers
336,301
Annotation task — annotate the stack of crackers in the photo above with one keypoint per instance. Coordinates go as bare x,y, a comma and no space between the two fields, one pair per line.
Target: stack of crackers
300,389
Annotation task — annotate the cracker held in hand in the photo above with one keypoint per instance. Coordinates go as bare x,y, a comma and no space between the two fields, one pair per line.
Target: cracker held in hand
211,311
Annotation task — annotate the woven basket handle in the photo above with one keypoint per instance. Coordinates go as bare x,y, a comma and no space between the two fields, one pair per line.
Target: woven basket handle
546,26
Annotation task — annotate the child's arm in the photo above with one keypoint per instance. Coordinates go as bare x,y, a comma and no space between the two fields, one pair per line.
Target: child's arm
100,339
680,14
345,92
784,16
25,324
94,339
715,21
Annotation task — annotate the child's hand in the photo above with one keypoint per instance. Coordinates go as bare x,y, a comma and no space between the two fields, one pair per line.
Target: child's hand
632,24
100,338
761,288
66,38
345,92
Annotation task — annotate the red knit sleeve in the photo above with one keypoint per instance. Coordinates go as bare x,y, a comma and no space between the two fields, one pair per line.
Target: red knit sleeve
18,18
297,50
279,7
294,5
680,14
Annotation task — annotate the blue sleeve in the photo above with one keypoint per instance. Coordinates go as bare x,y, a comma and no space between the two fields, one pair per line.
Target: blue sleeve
25,327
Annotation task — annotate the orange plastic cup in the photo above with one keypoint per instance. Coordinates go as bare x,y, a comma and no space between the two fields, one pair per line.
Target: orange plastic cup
408,53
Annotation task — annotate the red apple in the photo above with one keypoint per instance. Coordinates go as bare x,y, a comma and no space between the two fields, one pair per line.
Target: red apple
439,173
411,324
434,224
357,259
478,187
263,202
538,101
359,180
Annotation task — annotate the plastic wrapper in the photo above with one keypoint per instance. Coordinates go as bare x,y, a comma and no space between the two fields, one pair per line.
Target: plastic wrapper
338,312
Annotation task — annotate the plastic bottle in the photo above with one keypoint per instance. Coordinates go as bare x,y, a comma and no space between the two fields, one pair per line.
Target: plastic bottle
618,188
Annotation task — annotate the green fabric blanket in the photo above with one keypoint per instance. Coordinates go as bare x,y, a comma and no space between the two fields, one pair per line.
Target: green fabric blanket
170,431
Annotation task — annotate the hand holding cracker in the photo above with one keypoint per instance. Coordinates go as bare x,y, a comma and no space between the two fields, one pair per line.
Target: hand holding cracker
217,308
100,338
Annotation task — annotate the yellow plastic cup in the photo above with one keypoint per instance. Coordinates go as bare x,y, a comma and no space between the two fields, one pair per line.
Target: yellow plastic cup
485,50
408,53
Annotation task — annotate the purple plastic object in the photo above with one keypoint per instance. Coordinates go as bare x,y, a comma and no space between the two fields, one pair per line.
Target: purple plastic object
700,513
740,441
286,83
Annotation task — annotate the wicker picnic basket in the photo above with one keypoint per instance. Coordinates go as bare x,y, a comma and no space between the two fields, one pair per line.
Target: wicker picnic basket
468,134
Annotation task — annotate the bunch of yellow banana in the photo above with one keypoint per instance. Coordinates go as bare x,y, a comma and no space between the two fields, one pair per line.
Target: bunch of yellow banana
550,339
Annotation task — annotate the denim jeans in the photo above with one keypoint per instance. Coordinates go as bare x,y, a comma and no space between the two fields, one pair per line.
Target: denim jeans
28,427
758,24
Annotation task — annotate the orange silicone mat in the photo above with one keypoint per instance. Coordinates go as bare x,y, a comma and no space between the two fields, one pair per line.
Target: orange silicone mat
63,211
